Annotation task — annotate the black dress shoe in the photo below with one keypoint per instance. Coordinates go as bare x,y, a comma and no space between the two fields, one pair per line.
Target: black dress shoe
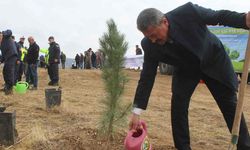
33,88
55,84
8,92
50,83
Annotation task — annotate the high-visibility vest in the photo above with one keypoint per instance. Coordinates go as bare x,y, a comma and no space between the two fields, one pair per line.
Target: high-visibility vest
46,52
24,52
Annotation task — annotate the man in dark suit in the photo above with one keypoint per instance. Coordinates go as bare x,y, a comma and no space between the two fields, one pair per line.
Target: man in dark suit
181,38
54,61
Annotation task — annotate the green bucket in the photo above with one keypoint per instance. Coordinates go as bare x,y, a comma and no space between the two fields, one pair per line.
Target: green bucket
21,87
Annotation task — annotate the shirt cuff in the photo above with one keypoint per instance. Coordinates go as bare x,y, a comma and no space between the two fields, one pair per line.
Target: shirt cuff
137,111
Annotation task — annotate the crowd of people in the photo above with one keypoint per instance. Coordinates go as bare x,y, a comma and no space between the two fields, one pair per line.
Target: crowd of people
21,61
90,60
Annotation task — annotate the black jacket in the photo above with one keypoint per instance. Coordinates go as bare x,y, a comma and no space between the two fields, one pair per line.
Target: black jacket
54,53
63,57
77,59
8,47
93,57
19,52
188,27
33,54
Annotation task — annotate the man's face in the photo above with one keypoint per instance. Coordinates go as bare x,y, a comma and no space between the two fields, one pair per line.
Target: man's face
31,41
22,40
158,34
51,41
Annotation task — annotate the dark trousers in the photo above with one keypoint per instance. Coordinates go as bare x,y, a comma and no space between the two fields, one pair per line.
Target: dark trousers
63,65
42,64
183,86
77,65
25,68
93,63
19,71
9,72
53,71
81,65
32,76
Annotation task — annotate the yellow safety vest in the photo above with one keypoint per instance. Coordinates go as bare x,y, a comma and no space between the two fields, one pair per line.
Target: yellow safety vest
24,52
46,52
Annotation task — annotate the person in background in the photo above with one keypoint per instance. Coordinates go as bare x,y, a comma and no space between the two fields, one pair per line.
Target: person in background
73,66
77,60
32,60
63,59
42,61
9,57
99,59
21,41
138,51
102,56
92,58
54,61
18,47
87,60
23,54
81,61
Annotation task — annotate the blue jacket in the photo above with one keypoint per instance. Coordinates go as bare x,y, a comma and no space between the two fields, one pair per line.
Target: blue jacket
8,47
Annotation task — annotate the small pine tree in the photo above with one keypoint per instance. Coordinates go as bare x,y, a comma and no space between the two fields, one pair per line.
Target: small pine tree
114,46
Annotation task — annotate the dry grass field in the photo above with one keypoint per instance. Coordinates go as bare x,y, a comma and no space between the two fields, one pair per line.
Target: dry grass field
73,125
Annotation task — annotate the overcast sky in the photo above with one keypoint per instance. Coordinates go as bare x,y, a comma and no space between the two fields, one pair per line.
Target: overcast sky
78,24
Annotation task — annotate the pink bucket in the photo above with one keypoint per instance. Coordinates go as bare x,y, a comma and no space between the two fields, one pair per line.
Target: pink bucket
138,140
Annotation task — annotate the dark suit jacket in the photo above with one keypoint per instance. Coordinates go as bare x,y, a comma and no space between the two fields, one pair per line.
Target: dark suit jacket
188,26
54,53
33,54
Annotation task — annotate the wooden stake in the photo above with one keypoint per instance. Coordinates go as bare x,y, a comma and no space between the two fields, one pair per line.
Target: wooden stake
240,103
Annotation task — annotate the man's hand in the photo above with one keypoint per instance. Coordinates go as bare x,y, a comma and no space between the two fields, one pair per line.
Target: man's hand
56,60
248,19
134,123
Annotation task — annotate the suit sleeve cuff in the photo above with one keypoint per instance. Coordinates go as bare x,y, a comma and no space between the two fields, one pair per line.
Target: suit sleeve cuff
137,111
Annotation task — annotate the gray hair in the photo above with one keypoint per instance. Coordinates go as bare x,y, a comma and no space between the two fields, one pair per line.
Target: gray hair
149,17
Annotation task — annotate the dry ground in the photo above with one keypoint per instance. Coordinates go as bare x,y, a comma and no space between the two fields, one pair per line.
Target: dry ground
74,124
